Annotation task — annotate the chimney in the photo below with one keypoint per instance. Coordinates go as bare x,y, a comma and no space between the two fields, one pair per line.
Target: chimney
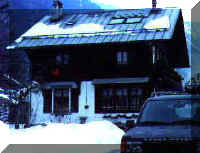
58,5
154,2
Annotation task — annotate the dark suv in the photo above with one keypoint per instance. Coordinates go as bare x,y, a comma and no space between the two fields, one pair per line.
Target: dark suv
166,124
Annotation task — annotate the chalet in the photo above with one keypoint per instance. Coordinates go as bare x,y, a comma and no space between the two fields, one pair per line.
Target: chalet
103,64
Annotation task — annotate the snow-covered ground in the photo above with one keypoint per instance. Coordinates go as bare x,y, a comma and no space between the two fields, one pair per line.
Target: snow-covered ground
97,132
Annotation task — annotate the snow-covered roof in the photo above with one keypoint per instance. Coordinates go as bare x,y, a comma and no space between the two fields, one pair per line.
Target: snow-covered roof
158,23
56,29
101,27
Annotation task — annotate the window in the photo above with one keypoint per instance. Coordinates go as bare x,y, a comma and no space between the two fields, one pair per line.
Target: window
129,17
59,60
62,59
107,99
122,57
198,76
133,20
57,101
61,101
130,14
66,59
118,99
117,21
174,111
125,20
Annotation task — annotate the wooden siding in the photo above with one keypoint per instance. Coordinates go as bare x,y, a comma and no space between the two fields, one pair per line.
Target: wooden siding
91,62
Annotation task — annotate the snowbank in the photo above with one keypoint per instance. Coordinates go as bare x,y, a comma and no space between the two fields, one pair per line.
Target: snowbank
98,132
5,135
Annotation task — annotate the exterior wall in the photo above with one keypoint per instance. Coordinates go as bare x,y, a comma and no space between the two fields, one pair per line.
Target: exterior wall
86,97
89,64
38,115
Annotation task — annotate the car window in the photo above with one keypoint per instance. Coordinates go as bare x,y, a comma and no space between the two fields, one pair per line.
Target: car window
169,111
184,111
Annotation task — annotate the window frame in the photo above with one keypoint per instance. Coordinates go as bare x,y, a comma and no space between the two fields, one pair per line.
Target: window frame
131,103
116,21
63,58
52,103
122,57
137,20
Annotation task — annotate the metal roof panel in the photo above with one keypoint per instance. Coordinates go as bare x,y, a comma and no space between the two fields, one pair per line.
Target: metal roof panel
103,19
173,14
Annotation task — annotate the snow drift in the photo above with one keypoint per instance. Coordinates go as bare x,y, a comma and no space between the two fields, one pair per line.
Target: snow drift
5,135
97,132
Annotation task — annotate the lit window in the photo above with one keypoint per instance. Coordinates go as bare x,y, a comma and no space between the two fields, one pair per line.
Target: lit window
122,57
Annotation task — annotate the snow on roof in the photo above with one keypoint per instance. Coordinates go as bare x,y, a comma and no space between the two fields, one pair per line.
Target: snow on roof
158,23
41,29
98,26
97,132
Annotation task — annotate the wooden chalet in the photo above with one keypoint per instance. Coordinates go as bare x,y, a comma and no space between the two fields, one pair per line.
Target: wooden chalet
104,64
